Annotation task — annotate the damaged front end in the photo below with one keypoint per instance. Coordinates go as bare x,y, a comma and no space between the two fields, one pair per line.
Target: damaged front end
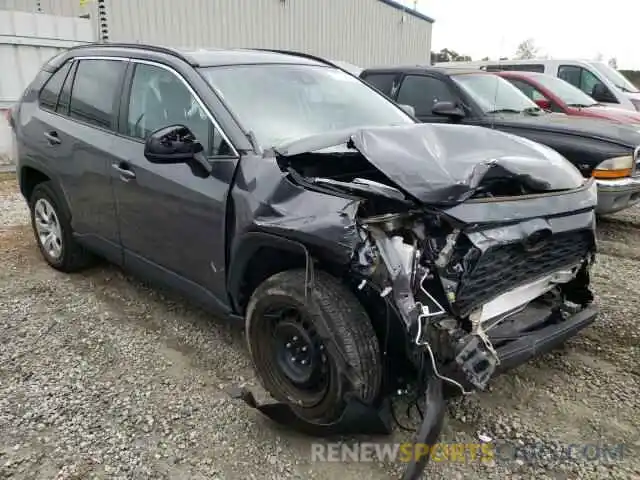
482,246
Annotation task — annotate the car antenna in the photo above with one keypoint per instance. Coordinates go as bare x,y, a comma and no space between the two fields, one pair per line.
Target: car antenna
495,95
254,142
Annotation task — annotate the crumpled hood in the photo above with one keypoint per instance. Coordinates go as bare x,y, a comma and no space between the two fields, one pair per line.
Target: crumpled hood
443,164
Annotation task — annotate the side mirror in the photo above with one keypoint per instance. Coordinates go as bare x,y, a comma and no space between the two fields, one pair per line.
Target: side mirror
408,109
174,144
544,104
177,144
448,109
601,93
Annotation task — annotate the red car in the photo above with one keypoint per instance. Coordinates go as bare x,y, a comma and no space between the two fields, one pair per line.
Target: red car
553,93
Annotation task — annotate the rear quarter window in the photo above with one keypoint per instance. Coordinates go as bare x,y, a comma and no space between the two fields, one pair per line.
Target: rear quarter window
51,91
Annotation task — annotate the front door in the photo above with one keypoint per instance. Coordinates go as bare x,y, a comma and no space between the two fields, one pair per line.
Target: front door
172,221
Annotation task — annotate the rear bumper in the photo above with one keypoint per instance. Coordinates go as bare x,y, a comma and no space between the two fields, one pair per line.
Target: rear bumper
538,342
616,195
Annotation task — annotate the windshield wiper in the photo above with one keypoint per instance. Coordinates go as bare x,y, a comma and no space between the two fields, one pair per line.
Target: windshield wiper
505,110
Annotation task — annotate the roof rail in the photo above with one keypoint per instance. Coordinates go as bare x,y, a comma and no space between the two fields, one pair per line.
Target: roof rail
299,54
144,46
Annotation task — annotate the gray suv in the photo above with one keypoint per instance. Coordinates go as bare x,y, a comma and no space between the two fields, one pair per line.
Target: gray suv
364,251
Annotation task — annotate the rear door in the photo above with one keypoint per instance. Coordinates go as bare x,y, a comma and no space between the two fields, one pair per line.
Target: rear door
422,92
92,117
68,134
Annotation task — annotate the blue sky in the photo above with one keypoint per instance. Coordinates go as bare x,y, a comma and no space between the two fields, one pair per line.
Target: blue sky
560,28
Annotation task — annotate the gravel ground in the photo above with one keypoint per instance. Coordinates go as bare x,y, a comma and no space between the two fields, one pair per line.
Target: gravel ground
103,377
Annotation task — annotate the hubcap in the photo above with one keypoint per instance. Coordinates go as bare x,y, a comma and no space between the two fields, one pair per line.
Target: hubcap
48,228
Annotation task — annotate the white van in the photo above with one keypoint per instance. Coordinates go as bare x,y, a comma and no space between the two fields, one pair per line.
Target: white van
597,79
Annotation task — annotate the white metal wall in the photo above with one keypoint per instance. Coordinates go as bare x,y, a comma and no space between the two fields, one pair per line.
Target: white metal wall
67,8
362,32
28,40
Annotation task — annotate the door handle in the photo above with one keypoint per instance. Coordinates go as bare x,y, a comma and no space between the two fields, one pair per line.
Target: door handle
125,173
52,137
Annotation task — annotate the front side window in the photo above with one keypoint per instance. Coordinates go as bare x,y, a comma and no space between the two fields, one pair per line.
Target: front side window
422,93
581,78
51,90
494,94
160,99
95,90
280,103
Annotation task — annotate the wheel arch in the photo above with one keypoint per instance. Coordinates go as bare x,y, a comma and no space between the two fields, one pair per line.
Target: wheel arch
259,255
31,176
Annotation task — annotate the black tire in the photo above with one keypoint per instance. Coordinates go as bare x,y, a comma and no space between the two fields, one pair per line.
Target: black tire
72,257
321,399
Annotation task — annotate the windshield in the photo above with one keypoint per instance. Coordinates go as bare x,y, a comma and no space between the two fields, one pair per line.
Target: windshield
280,103
616,77
572,96
494,94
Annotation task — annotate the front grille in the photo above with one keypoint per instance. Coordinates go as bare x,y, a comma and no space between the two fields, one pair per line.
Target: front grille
505,267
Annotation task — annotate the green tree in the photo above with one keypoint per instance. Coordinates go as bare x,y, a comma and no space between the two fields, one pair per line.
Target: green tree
527,50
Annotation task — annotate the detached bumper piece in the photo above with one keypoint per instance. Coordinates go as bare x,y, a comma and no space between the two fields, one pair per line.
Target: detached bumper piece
357,418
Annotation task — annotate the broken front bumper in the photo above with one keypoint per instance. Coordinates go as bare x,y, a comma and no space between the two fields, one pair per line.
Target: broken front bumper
616,195
535,343
526,340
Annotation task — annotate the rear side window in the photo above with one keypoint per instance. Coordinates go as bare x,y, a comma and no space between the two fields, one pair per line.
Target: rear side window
96,87
422,93
381,81
51,90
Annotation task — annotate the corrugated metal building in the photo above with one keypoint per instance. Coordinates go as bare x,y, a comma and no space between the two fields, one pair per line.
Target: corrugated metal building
362,32
28,40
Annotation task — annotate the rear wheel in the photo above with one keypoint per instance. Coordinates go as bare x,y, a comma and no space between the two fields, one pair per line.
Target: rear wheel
285,333
53,233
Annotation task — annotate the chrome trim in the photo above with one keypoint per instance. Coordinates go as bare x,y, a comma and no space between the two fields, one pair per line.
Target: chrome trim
621,183
182,79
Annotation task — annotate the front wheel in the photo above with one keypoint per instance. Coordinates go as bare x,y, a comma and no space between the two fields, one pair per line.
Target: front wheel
288,344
